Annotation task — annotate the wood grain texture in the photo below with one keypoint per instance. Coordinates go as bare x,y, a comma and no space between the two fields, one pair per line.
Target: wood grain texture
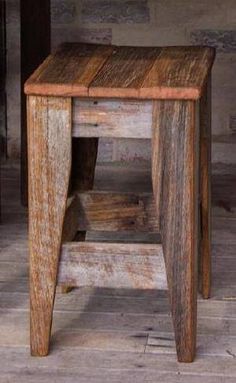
49,151
114,211
112,118
175,188
70,223
205,192
123,72
178,73
69,71
112,265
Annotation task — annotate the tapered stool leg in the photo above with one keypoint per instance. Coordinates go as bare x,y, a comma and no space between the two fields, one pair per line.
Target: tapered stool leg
49,157
175,187
205,192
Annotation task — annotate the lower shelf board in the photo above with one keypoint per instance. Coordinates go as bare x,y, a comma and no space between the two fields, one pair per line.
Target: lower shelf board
112,265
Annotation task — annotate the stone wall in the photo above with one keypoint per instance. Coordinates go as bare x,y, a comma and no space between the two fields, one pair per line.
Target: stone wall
150,23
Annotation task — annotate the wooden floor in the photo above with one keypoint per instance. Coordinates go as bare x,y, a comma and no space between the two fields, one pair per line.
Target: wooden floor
117,335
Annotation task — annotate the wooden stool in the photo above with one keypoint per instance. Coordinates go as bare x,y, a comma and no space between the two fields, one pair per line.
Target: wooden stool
91,91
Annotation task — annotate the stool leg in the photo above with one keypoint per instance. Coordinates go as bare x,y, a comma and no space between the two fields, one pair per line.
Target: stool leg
205,193
49,154
175,186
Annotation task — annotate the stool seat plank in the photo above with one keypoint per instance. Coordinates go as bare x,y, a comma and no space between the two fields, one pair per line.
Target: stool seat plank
69,70
178,73
124,72
87,70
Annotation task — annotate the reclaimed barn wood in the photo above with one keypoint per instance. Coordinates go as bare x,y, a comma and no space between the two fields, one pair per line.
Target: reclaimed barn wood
175,188
205,191
178,73
115,211
80,70
69,71
173,79
70,223
49,137
113,265
112,118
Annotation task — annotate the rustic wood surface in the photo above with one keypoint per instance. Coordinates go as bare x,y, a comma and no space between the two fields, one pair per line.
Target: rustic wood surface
205,191
49,136
175,187
112,265
112,118
106,335
113,211
123,72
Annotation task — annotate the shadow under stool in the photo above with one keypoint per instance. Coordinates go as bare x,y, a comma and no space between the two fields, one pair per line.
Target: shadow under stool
91,91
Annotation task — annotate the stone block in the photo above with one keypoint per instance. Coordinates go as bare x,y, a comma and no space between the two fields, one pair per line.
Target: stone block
84,35
115,11
63,12
222,40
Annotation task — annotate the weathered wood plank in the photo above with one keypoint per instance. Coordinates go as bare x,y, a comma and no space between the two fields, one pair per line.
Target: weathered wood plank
14,323
69,71
124,72
112,118
98,375
175,187
205,192
66,359
113,211
78,70
112,265
178,73
207,345
70,224
105,302
49,137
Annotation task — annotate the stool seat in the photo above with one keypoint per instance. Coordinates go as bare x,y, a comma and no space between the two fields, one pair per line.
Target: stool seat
83,92
84,70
